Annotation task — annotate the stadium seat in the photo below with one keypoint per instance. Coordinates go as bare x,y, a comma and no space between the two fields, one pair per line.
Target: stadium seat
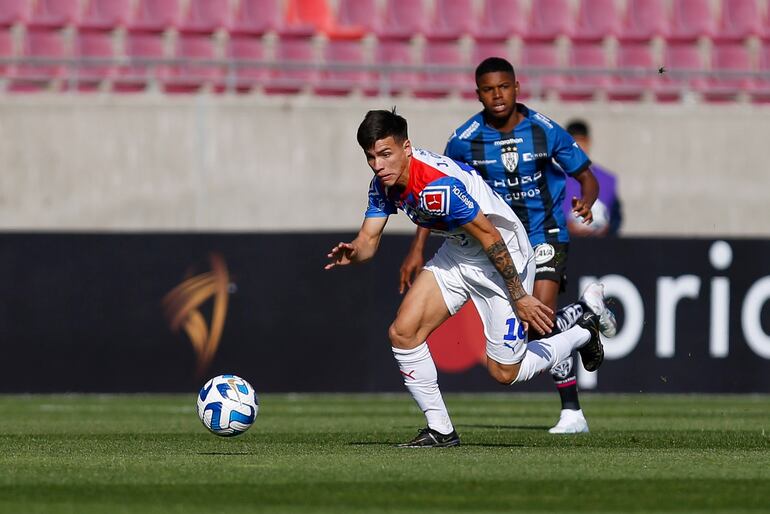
54,13
206,16
6,51
439,76
307,17
451,20
297,53
691,19
404,19
644,20
256,17
390,54
42,45
637,61
592,59
105,14
155,15
501,20
761,89
142,48
338,81
548,20
487,48
597,19
739,20
538,73
94,46
14,11
728,57
194,67
679,59
362,14
250,72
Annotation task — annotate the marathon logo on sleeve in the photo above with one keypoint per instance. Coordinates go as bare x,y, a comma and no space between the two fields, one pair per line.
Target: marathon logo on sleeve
435,200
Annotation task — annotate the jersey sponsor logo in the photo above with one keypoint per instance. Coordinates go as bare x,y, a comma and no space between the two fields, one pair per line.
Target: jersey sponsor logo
511,141
464,199
545,121
544,253
483,162
515,181
527,157
470,130
435,200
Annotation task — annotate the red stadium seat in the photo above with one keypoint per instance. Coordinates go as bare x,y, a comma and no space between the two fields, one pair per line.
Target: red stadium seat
534,82
439,76
195,67
250,72
143,50
644,20
680,58
548,20
484,49
298,72
358,13
155,15
94,45
761,90
337,81
390,55
6,51
728,57
306,17
501,20
692,19
592,59
14,11
404,19
40,45
452,19
54,13
633,57
255,17
597,19
206,16
106,14
740,19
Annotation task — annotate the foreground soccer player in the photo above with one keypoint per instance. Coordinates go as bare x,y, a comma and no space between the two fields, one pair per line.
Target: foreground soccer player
486,257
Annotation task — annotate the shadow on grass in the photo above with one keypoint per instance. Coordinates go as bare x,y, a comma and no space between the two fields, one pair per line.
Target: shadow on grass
478,445
508,427
224,453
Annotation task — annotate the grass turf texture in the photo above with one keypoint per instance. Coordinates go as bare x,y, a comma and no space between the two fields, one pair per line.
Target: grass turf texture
334,453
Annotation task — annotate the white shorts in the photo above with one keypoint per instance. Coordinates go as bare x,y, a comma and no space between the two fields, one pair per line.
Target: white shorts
480,281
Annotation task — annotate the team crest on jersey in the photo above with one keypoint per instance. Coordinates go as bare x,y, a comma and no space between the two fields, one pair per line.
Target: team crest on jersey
510,158
435,200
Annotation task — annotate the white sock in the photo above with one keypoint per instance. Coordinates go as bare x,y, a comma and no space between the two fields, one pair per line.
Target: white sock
546,353
420,377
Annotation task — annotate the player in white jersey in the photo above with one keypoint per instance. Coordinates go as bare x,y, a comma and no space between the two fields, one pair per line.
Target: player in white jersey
486,258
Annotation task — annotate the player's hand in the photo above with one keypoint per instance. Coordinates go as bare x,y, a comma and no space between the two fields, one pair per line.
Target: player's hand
582,211
409,269
341,255
534,313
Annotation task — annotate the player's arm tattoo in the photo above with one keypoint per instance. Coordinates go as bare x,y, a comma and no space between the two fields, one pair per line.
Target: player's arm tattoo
500,256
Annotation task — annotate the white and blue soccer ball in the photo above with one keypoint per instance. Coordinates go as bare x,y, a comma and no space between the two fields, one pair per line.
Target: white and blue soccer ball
227,405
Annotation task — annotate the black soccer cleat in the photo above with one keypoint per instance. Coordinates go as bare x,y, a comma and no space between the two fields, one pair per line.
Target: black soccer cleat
591,353
429,438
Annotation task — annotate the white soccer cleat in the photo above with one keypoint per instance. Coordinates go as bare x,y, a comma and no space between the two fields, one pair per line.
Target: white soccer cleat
570,422
593,298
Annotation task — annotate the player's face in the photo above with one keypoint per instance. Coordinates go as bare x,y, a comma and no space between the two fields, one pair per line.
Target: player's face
497,93
389,160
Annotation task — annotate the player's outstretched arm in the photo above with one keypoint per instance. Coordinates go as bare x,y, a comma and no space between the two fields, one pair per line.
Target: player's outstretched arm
362,248
413,261
529,309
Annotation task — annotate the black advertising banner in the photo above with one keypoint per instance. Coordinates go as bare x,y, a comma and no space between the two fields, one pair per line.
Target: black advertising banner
163,312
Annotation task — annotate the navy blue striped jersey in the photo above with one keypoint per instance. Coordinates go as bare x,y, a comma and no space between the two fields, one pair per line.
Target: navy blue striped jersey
520,167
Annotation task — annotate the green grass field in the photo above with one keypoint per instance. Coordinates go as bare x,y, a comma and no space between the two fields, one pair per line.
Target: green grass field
334,453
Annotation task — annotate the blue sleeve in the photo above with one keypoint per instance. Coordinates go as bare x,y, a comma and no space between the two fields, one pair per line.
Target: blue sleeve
379,206
454,148
567,153
448,199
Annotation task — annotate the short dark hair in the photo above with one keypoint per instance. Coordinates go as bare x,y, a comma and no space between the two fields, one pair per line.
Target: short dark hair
578,128
493,64
381,124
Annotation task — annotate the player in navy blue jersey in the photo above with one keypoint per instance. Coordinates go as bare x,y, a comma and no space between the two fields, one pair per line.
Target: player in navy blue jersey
514,148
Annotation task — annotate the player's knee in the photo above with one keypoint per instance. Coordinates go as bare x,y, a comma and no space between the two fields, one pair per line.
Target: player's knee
504,376
401,338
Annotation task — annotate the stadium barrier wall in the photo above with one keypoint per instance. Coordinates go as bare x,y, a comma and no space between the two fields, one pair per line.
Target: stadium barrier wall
162,312
206,163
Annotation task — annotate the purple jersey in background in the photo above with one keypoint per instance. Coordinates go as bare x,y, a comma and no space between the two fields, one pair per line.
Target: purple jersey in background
608,195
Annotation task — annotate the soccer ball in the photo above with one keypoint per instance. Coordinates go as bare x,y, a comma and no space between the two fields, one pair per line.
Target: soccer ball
227,405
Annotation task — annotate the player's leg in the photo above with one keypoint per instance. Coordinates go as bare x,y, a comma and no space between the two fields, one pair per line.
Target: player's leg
422,311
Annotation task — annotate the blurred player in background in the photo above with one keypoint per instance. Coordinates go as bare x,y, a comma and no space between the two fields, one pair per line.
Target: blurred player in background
607,212
486,257
512,147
